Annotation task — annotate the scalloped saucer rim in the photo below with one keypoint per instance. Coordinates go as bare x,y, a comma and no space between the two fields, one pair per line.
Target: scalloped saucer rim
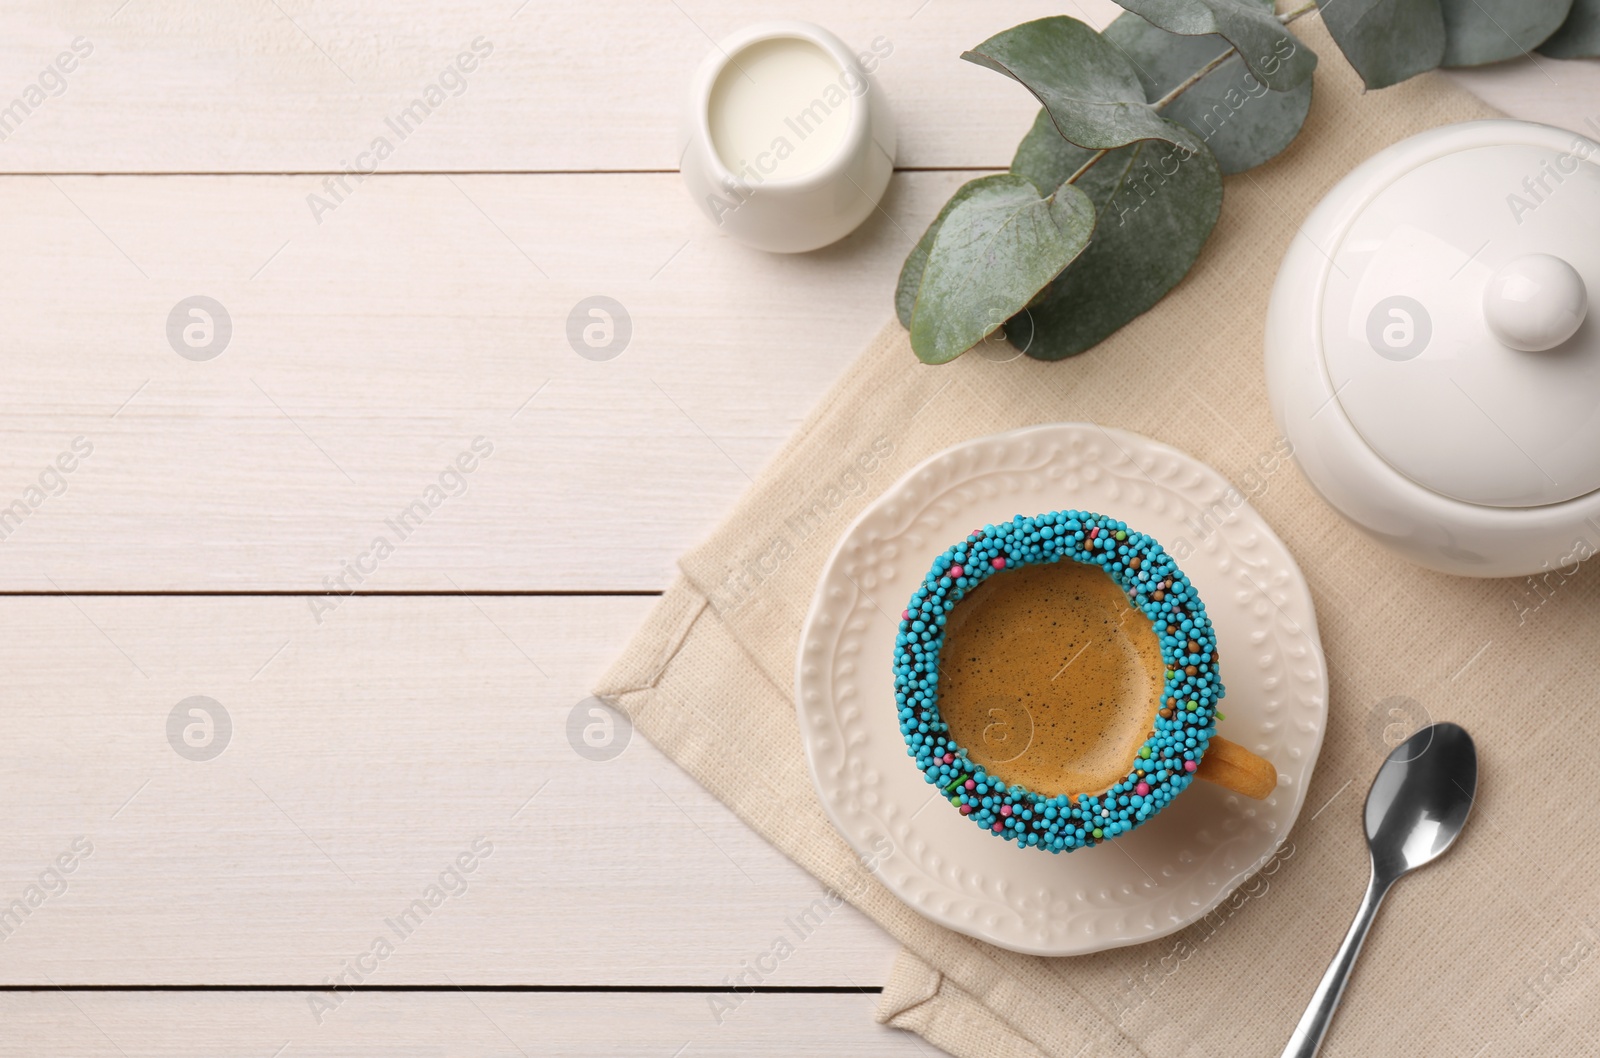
949,886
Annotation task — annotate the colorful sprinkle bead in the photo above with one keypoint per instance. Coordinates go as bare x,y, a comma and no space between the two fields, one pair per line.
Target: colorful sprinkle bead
1184,726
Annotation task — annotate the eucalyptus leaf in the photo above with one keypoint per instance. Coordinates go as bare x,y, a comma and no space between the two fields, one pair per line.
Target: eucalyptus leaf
1092,92
1155,208
905,291
1047,160
1229,108
1387,41
1483,31
996,249
1271,51
1579,35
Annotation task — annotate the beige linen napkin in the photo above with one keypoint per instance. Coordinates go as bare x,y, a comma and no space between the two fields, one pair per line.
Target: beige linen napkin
1495,950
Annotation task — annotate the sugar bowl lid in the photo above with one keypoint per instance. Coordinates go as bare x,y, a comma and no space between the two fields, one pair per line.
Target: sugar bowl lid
1452,316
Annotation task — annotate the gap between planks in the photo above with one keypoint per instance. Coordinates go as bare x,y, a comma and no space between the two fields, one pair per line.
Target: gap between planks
763,990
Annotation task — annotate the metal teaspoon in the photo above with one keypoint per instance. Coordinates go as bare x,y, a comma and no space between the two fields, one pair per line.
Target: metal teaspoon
1416,807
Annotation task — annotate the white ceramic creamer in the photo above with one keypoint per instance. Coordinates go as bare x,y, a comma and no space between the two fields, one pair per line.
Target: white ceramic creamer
787,143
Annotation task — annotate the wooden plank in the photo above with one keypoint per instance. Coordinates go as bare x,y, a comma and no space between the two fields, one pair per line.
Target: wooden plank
433,1025
1536,88
367,353
302,86
402,744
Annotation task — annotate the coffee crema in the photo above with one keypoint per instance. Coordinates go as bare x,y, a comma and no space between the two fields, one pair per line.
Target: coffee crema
1050,678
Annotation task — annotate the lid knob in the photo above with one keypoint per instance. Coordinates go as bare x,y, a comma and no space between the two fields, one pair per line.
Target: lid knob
1535,302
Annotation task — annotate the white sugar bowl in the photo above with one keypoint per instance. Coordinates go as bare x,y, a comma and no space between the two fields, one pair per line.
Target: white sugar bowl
1430,355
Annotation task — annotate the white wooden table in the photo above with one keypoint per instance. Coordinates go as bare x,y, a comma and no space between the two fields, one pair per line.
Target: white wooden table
382,738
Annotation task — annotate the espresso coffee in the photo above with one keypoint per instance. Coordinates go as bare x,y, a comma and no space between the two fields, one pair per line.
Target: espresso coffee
1050,678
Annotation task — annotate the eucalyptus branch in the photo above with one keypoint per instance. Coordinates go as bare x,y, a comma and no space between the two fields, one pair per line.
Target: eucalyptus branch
1188,83
1092,86
1090,164
1193,79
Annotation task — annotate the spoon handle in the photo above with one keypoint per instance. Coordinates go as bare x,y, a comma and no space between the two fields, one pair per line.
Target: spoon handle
1307,1038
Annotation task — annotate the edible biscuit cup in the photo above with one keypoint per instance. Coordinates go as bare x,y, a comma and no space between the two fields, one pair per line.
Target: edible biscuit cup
1182,745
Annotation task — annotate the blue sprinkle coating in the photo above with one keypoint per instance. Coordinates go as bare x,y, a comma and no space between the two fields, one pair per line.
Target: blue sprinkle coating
1183,728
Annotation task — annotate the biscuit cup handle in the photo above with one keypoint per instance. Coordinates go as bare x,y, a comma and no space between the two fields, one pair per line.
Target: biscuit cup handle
1232,767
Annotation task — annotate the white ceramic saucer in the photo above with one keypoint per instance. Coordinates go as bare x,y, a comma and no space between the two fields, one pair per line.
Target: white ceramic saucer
1167,873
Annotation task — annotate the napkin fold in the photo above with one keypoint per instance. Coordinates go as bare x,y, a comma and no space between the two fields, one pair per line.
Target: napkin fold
1495,950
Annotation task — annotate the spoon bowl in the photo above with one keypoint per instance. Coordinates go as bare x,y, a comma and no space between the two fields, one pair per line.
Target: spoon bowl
1421,798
